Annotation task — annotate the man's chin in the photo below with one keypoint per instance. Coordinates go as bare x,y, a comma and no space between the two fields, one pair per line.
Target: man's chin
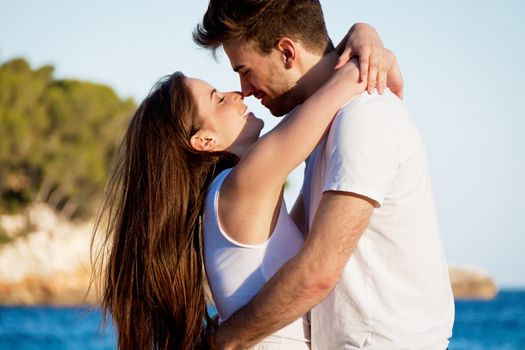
277,111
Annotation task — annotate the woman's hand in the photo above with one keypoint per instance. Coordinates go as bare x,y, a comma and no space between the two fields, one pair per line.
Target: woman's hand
349,72
393,74
378,66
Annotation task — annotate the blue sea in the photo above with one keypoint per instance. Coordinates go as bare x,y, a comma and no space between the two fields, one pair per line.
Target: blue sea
498,324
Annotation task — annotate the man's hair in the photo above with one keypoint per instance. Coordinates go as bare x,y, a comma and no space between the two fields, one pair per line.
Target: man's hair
263,22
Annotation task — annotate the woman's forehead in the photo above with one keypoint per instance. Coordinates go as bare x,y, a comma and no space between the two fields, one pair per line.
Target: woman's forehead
202,93
198,84
200,89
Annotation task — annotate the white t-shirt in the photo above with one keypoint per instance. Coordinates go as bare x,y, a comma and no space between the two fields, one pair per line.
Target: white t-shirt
394,292
236,271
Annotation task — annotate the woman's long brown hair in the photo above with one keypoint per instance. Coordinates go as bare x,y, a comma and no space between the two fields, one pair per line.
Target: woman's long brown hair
149,261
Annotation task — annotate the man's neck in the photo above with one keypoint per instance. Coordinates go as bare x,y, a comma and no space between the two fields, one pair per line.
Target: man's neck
316,71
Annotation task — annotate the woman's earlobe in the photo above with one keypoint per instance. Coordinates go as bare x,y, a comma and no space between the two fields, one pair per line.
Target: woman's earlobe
202,143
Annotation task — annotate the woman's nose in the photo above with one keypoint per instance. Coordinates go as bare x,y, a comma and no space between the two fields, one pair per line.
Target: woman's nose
236,95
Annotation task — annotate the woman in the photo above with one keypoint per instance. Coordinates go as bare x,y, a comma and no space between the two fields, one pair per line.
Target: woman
184,135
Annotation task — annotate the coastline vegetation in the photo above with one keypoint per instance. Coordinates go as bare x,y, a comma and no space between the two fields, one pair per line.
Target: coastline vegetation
57,139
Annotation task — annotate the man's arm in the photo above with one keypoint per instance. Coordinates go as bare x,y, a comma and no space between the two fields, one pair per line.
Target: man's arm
305,279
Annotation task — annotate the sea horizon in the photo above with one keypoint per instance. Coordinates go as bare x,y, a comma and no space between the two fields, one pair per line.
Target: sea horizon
498,324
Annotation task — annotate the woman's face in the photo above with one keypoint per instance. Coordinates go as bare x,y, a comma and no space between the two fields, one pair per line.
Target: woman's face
226,123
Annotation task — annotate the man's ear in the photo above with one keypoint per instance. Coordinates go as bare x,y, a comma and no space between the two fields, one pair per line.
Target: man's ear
203,142
288,51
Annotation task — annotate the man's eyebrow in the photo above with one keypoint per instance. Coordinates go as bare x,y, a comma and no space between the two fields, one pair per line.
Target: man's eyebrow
212,92
238,68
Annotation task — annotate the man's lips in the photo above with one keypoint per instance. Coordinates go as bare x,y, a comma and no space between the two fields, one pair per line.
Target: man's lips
264,101
261,96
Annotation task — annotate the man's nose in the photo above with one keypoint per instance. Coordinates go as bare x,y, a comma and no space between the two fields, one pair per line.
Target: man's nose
246,88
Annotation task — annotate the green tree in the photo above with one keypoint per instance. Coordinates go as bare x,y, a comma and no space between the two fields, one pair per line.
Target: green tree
57,138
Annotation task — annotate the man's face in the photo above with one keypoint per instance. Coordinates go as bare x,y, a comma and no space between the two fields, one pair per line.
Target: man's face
264,76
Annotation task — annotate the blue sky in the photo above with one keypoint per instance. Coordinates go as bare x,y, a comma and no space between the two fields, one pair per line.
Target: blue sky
463,63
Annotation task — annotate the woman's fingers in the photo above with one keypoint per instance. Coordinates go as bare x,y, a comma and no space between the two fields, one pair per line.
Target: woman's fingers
344,58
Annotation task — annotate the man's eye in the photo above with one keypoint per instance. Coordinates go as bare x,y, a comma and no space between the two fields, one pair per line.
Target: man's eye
221,99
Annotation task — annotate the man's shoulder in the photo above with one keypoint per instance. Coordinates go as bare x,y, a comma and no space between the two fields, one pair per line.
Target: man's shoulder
363,111
370,118
365,101
371,112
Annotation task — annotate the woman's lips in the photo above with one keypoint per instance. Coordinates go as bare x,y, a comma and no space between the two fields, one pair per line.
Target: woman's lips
247,113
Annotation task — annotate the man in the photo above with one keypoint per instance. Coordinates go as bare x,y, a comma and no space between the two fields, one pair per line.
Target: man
372,269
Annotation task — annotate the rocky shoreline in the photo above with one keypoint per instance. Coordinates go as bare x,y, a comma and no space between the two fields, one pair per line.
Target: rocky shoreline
47,266
51,266
471,283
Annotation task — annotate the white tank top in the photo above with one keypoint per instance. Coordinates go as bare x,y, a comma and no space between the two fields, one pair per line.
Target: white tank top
236,272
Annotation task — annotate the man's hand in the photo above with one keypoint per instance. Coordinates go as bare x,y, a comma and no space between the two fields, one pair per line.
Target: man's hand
378,65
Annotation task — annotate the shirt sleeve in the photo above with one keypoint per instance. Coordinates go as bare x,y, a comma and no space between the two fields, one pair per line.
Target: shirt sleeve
362,154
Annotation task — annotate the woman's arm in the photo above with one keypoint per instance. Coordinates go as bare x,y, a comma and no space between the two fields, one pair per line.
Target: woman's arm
375,61
363,41
267,163
278,152
250,198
